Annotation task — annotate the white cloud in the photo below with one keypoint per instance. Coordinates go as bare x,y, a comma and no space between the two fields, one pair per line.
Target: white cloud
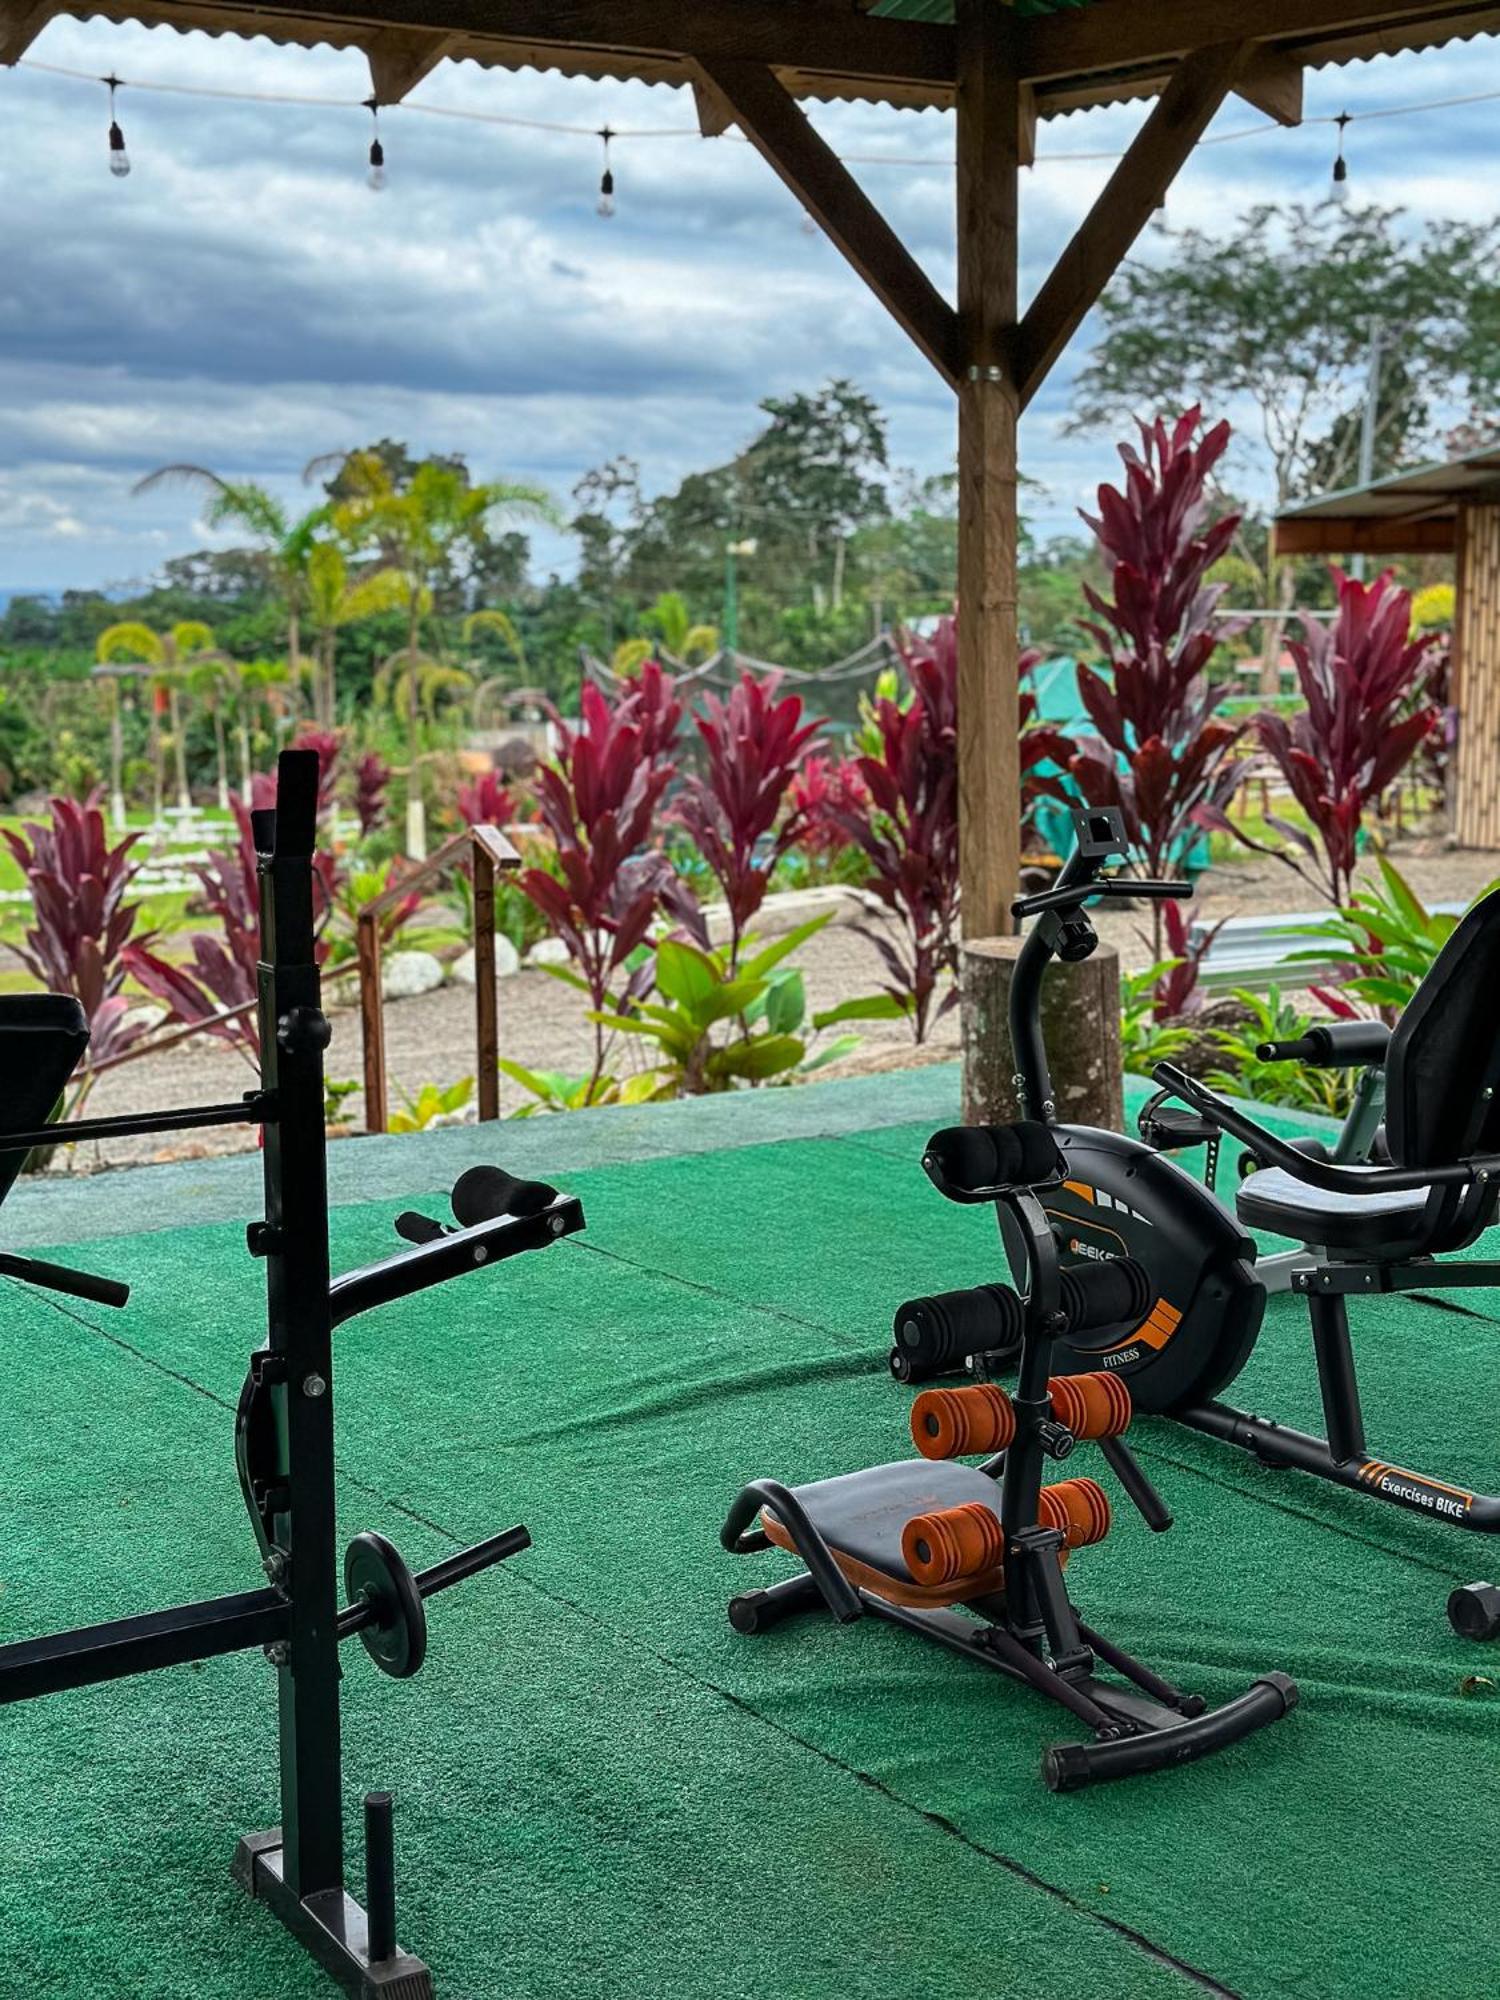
244,301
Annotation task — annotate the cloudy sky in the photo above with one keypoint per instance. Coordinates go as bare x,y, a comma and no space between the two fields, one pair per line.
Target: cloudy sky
243,300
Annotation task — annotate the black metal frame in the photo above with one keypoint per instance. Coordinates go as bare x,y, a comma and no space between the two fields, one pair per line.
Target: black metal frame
284,1443
1461,1198
1030,1632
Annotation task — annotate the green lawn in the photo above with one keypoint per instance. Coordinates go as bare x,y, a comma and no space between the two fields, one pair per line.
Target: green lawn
602,1790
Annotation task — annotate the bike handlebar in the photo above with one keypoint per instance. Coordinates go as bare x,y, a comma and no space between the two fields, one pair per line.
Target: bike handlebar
1118,886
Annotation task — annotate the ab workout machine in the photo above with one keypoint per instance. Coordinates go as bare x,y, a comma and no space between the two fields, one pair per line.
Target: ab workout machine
284,1426
1373,1227
924,1543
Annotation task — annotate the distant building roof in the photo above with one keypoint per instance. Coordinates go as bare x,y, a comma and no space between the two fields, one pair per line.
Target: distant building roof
1410,513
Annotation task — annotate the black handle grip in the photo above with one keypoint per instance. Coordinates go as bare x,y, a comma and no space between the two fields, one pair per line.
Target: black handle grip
485,1193
58,1278
419,1228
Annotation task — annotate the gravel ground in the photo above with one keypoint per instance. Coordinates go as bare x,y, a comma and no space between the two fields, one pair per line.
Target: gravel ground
542,1024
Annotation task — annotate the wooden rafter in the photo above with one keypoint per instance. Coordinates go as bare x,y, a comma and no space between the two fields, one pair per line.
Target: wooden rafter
1272,82
779,130
1133,192
21,21
399,60
1364,534
1113,50
1120,35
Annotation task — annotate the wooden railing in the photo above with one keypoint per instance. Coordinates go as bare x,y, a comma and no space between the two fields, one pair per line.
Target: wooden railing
489,849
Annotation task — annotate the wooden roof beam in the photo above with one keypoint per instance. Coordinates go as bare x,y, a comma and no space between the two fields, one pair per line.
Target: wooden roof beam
1364,534
778,128
1272,82
21,21
400,61
1123,35
1134,191
814,41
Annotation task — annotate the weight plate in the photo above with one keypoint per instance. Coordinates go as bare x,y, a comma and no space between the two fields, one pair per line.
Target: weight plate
374,1574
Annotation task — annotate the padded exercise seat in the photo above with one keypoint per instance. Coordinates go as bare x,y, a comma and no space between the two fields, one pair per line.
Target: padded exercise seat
861,1515
1384,1224
42,1040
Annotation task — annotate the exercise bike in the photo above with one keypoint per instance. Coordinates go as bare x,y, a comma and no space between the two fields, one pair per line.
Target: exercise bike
926,1544
1427,1186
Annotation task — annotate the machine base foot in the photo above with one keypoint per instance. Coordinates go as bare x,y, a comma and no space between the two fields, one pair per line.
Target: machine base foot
330,1925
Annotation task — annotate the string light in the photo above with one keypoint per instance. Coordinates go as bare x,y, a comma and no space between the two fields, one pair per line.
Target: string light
119,159
376,176
1340,164
606,179
915,163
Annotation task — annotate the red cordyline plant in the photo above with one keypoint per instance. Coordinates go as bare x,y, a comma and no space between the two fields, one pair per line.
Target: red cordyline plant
1176,993
1357,730
329,750
754,742
220,973
1164,758
81,936
486,801
823,788
910,838
372,776
599,802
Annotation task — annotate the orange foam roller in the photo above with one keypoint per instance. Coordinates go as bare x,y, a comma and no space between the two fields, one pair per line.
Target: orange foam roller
1092,1406
953,1543
950,1423
1078,1509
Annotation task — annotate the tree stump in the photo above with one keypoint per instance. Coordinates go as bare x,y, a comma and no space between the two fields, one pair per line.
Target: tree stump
1080,1024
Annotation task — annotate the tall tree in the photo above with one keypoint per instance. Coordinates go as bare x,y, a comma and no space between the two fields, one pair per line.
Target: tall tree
284,541
1281,312
1277,312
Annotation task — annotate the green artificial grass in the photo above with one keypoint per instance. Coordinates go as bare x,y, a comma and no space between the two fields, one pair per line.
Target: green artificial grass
603,1790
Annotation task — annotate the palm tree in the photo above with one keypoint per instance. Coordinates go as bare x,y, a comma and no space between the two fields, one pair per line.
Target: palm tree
676,632
208,677
284,542
404,682
252,681
166,661
674,627
335,599
417,530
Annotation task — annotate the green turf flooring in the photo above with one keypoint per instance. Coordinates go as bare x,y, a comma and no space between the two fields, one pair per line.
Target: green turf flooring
601,1789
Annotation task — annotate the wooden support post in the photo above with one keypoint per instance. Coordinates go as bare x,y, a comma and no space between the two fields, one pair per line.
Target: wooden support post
989,783
372,1026
488,1037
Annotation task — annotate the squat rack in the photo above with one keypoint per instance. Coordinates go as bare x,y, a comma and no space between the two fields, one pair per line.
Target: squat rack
284,1446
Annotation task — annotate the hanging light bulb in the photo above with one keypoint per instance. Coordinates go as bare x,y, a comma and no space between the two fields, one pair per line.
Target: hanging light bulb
606,204
375,179
119,159
1340,164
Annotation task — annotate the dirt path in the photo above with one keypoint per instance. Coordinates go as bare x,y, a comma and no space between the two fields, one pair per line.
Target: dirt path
542,1024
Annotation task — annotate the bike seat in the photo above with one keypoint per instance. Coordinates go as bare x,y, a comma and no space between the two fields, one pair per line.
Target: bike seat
42,1039
861,1515
1385,1224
